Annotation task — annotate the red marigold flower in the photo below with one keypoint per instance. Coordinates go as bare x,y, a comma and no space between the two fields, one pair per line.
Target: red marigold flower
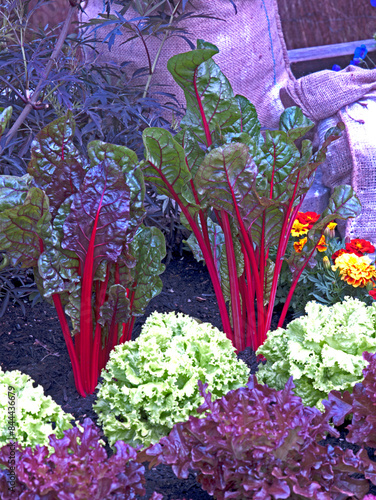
373,293
307,218
360,247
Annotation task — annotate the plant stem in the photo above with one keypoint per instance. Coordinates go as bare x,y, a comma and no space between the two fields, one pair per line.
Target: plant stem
33,99
148,82
234,284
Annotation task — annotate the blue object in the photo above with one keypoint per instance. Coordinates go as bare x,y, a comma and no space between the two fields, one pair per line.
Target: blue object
355,62
373,3
336,68
360,52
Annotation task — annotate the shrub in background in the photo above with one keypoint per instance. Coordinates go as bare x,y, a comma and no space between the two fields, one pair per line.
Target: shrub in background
257,442
322,350
151,383
37,416
78,468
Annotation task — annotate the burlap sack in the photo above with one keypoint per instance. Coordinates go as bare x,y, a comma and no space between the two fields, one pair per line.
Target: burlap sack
352,160
252,53
329,97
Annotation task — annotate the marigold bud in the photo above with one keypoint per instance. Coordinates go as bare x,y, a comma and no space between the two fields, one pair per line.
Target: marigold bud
330,230
326,262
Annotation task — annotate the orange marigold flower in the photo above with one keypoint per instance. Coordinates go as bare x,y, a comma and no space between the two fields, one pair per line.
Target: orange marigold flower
298,245
338,253
299,229
355,270
307,218
360,247
321,245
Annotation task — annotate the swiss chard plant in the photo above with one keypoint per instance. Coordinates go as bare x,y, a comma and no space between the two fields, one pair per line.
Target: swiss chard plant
78,223
239,190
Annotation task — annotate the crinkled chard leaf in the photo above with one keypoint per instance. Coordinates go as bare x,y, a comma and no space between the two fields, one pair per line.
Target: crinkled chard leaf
248,122
226,180
165,162
294,123
13,190
343,204
56,164
125,160
149,248
281,157
210,99
22,228
116,308
99,218
73,307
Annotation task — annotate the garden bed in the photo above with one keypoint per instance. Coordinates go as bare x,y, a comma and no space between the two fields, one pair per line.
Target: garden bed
33,343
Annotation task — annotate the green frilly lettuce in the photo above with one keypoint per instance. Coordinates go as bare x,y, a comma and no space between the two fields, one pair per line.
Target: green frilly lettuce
321,350
36,415
151,383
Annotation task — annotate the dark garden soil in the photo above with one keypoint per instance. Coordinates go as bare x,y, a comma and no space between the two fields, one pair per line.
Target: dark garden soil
33,343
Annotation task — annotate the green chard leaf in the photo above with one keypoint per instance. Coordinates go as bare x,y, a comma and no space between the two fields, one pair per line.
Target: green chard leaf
248,122
149,248
23,227
226,181
165,164
13,190
116,307
294,123
210,99
125,160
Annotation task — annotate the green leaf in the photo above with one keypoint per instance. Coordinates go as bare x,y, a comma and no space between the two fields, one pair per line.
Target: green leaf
226,181
22,227
13,190
148,248
165,162
5,116
270,230
248,121
56,164
343,203
294,123
281,158
116,307
209,96
73,308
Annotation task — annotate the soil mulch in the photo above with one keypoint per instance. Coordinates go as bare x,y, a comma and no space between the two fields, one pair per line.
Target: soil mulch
33,343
